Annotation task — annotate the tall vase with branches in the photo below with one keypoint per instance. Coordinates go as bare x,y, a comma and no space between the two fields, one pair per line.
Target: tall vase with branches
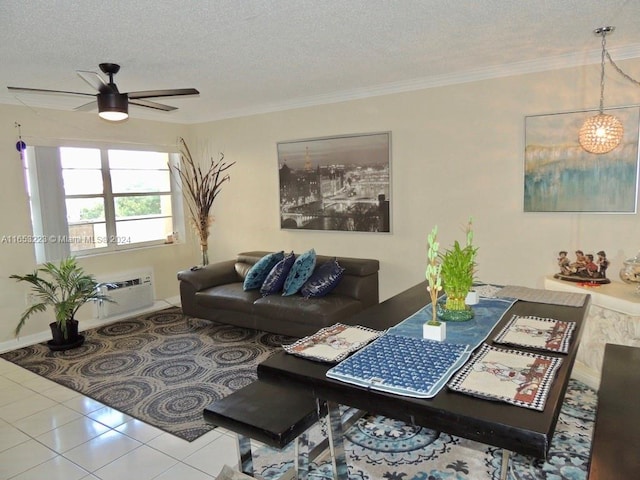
200,188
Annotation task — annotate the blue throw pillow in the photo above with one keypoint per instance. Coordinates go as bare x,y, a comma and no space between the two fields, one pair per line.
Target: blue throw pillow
326,277
300,272
256,275
278,274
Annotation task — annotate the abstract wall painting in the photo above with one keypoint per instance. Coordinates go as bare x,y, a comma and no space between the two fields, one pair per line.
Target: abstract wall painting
559,176
336,183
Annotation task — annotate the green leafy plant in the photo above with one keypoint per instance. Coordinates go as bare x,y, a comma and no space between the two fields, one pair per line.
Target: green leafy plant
433,274
458,270
66,289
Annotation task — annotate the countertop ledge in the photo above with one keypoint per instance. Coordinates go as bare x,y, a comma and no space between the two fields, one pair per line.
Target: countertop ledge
617,296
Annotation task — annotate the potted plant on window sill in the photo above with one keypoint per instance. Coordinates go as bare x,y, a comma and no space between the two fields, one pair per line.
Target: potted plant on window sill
67,288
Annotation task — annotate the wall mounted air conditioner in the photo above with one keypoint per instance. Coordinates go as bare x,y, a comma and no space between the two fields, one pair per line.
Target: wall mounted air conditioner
130,291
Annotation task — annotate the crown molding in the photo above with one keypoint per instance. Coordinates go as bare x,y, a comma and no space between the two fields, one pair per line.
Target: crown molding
497,71
519,68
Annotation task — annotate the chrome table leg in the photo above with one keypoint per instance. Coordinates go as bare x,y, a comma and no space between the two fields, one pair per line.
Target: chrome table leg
336,442
302,456
505,464
246,458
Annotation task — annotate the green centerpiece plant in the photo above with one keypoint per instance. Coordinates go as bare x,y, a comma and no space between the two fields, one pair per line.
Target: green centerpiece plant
434,329
458,267
433,274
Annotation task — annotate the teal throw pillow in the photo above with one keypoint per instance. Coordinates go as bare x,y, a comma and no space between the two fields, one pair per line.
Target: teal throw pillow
258,273
300,272
278,274
324,279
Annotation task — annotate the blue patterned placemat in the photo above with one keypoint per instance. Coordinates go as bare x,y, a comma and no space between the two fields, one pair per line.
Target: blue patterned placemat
487,314
403,365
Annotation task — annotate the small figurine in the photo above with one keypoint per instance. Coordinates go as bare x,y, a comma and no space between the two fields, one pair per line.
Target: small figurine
564,262
590,268
584,269
603,263
580,265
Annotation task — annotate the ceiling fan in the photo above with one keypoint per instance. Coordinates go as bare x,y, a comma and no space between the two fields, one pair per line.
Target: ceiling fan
113,105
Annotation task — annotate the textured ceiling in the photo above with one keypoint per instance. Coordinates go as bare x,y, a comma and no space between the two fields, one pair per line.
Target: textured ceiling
252,56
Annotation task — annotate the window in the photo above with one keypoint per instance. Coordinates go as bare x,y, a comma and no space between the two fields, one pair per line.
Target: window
93,200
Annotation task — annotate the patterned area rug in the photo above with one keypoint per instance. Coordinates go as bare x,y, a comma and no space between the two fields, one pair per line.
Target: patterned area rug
380,448
162,368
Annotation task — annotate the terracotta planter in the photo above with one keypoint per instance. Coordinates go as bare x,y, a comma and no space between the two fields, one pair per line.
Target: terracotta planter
59,342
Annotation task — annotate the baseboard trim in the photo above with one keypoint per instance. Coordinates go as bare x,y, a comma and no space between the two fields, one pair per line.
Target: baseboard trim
99,322
175,301
586,375
40,337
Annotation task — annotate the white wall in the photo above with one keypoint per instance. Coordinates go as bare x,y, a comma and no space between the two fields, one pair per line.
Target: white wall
42,127
457,151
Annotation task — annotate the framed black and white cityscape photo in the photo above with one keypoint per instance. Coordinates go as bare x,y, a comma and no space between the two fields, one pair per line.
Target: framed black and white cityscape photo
336,183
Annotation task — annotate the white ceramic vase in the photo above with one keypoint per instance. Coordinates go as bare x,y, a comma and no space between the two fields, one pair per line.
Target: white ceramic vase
434,332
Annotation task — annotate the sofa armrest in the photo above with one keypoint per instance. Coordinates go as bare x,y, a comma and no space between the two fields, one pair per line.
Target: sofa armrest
219,273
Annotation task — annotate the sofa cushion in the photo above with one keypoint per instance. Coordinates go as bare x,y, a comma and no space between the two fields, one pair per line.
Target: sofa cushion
324,279
300,272
258,273
278,274
314,313
231,296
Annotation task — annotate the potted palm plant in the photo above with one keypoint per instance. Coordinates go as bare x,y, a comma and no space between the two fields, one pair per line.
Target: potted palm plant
458,268
65,287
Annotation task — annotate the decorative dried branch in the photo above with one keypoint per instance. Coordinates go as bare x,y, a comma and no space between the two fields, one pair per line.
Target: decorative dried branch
200,189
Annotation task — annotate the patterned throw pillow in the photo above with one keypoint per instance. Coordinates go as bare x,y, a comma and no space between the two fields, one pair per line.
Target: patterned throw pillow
300,272
326,277
256,275
278,274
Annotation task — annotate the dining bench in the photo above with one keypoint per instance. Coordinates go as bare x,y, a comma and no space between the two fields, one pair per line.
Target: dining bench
616,434
274,415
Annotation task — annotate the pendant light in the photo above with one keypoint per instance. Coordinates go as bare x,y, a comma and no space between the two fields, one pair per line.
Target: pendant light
602,132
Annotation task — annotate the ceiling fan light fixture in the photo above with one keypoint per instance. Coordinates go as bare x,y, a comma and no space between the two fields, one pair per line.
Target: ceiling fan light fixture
113,106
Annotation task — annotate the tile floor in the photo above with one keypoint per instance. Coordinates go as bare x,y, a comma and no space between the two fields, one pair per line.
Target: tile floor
49,431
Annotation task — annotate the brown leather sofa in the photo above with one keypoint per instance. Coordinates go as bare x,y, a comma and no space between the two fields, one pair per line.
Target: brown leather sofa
215,292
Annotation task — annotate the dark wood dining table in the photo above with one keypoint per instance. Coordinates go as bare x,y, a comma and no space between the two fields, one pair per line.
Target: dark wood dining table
512,428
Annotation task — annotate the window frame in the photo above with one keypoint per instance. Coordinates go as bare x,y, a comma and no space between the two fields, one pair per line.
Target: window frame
43,168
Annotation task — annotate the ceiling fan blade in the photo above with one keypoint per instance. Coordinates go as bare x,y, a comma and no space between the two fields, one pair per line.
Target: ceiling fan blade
154,105
164,93
41,90
87,106
93,79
